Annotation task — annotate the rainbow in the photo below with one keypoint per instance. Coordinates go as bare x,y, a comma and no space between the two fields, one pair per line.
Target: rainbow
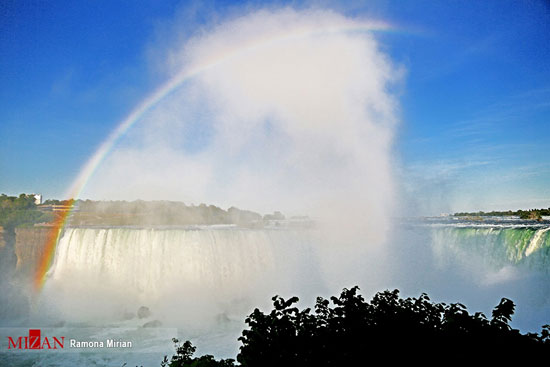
161,93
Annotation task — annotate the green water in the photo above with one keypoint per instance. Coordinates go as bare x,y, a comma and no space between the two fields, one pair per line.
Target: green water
497,246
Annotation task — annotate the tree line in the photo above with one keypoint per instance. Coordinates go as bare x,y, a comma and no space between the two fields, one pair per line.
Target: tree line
22,211
16,211
523,214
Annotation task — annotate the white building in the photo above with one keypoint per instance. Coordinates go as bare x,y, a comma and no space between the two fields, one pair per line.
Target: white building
38,199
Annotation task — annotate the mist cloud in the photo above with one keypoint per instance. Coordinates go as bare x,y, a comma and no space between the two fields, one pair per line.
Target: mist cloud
294,114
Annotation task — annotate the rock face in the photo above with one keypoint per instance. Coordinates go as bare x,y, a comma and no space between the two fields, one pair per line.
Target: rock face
14,302
29,247
2,240
7,257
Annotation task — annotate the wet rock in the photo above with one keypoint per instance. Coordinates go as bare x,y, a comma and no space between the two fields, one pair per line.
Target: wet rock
154,323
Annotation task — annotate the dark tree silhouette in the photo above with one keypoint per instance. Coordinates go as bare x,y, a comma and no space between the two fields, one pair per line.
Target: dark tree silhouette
347,329
184,358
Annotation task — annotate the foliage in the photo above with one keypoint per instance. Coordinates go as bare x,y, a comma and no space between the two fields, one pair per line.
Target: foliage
523,214
141,212
16,211
23,201
348,329
184,358
20,211
532,214
339,334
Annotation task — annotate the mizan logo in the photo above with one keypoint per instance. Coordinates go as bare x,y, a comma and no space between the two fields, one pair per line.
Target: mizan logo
35,341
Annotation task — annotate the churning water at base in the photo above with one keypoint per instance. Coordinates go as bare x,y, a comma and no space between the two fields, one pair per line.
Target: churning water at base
187,275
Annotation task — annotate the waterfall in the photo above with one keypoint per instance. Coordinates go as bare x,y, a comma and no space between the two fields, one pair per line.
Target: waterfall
497,246
198,267
537,241
211,272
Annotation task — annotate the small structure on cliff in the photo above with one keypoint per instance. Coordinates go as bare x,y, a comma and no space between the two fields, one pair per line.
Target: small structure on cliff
37,199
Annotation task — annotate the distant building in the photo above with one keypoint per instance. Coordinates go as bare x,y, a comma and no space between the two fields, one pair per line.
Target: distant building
37,199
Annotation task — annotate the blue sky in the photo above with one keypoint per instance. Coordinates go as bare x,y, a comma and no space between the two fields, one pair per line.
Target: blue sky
475,101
